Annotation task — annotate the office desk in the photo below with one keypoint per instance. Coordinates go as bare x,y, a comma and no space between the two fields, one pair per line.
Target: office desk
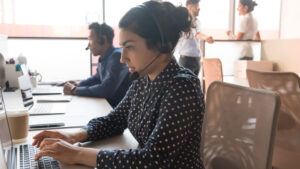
125,141
79,111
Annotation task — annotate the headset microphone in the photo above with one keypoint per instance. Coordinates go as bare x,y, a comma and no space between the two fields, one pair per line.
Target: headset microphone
136,75
87,48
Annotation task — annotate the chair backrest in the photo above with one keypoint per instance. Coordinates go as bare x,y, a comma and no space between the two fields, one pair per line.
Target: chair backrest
212,71
287,85
239,127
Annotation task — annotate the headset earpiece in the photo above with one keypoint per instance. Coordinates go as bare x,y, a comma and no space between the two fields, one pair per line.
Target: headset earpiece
165,47
101,40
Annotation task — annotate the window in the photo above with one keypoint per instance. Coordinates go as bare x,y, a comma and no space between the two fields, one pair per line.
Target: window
56,12
115,9
48,18
214,16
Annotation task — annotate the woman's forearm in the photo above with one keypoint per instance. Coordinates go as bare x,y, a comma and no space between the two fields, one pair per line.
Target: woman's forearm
87,156
80,135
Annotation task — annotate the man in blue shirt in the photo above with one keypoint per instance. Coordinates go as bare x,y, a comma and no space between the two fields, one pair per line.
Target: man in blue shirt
112,78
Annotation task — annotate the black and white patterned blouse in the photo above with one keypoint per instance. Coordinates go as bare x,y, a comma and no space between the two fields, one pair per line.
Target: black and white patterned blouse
165,117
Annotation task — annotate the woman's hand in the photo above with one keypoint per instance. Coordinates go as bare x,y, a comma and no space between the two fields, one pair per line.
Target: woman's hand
71,138
67,153
59,150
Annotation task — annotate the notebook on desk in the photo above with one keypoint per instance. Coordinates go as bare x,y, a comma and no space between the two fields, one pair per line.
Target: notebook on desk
47,91
52,83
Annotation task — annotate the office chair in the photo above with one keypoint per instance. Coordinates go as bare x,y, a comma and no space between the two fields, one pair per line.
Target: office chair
212,71
239,127
287,141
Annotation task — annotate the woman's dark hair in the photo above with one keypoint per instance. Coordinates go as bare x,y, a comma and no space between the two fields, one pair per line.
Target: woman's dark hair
102,30
250,3
191,2
160,24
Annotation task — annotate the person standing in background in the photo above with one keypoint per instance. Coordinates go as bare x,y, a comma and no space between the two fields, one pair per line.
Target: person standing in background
248,27
189,44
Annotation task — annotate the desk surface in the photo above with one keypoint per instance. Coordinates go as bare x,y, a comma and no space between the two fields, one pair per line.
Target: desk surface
79,112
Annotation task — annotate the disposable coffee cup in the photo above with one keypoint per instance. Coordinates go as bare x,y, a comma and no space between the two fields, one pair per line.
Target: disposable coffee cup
18,124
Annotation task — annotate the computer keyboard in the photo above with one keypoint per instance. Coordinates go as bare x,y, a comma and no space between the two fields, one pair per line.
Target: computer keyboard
41,108
27,161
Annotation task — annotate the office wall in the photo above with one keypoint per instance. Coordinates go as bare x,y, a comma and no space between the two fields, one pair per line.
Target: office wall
3,44
284,53
290,14
55,59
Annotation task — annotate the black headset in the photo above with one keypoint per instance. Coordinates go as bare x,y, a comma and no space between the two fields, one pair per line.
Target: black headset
164,47
100,38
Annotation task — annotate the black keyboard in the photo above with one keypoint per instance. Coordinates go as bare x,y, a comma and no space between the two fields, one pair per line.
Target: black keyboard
27,161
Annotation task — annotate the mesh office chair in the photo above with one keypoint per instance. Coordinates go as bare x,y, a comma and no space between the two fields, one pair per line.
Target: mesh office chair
212,71
287,142
239,127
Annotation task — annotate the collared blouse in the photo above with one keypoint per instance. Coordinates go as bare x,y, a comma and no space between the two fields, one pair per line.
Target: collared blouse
164,115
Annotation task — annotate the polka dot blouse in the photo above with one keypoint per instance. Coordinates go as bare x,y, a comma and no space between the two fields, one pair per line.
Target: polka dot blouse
165,117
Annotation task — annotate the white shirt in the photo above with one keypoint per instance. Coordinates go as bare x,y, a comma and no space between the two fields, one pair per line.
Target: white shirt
248,26
190,45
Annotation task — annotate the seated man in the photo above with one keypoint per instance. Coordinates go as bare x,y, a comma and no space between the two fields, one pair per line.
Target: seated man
112,78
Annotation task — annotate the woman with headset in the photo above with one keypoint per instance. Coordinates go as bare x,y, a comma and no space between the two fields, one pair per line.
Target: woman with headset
163,109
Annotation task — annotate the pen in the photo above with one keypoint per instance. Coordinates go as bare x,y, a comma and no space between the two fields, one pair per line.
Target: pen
47,125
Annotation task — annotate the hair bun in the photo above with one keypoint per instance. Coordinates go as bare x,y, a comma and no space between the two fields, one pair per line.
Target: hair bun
182,18
254,3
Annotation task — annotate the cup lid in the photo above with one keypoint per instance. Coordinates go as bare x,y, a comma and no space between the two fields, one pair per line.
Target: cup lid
16,112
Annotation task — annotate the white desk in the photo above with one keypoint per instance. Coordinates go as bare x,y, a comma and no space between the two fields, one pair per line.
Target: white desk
79,112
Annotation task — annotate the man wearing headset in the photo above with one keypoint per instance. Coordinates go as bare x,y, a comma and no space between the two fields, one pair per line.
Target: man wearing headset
112,78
